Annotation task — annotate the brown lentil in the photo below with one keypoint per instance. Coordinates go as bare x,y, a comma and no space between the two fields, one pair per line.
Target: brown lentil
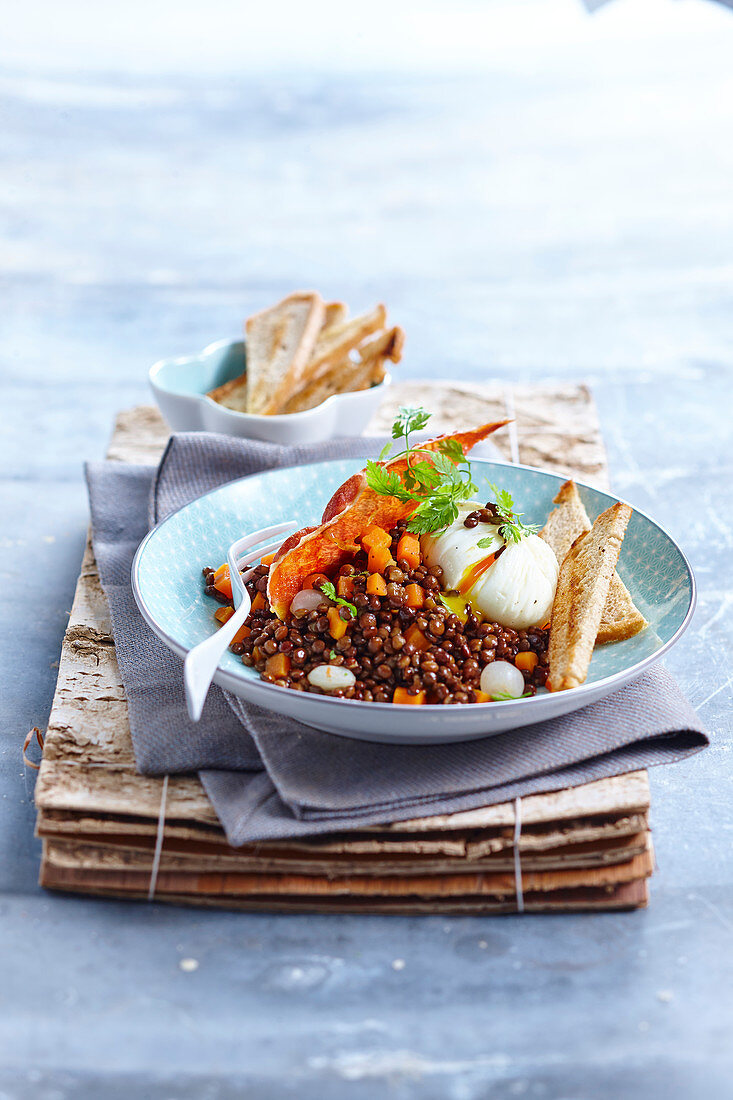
374,646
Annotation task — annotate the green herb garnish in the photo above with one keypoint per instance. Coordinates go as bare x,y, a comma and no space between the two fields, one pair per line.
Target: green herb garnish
410,418
437,481
503,697
332,654
510,523
328,589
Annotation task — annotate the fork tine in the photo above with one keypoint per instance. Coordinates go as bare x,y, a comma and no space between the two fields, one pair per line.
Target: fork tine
259,536
254,555
253,543
200,665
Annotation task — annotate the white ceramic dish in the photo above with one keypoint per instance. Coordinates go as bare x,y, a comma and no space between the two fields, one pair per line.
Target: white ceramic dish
166,578
180,387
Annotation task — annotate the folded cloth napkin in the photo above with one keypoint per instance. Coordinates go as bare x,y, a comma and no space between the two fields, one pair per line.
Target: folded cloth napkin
269,777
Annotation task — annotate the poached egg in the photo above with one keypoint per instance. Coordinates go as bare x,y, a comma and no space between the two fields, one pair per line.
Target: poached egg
515,589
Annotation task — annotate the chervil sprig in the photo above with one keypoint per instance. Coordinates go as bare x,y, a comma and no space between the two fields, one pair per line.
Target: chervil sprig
511,528
410,418
437,481
386,482
328,589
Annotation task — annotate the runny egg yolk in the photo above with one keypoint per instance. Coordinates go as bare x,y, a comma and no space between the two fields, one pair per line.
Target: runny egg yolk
457,604
473,572
511,583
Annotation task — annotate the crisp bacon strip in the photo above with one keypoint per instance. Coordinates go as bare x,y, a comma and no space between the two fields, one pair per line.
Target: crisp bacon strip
352,508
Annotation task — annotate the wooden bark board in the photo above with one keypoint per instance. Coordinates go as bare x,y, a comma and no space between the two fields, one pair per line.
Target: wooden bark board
627,895
352,853
556,425
600,799
88,767
474,884
98,856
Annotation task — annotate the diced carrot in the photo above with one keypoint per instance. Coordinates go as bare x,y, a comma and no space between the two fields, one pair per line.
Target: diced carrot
414,636
314,580
336,625
527,661
408,549
268,559
482,697
401,695
376,585
415,595
278,665
222,581
375,536
380,558
224,614
259,603
345,587
242,633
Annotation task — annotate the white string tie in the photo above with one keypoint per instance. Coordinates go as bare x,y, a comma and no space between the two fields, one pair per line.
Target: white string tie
158,840
517,857
512,425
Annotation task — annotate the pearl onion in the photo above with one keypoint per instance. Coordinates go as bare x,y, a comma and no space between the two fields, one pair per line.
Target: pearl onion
501,678
331,677
307,600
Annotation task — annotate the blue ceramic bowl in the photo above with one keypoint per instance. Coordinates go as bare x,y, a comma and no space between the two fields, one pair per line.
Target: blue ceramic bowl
166,579
180,387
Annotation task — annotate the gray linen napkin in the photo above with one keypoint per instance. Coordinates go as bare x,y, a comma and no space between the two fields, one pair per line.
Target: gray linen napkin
271,778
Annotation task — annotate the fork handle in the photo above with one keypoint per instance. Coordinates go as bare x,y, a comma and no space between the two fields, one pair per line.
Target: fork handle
201,663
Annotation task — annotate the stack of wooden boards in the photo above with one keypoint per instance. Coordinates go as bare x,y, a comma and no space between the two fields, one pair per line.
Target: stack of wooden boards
303,350
587,847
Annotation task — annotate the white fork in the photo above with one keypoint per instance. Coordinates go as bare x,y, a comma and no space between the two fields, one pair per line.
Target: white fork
202,661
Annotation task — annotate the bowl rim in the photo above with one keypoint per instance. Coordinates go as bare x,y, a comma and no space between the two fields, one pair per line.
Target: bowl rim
262,691
245,418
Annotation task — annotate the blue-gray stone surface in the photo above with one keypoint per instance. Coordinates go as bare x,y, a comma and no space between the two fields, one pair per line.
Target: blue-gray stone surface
537,194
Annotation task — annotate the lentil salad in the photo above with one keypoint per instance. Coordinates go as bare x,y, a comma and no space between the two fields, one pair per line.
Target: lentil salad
398,645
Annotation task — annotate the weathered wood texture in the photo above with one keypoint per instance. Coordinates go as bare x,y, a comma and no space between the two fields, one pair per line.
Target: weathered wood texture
131,874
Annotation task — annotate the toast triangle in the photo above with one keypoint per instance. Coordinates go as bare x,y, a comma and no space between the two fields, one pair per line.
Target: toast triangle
280,341
621,618
582,589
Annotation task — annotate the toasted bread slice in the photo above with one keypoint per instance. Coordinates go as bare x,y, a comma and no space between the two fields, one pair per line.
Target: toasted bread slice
336,314
232,394
385,345
337,340
280,341
582,589
350,374
621,618
565,522
343,377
